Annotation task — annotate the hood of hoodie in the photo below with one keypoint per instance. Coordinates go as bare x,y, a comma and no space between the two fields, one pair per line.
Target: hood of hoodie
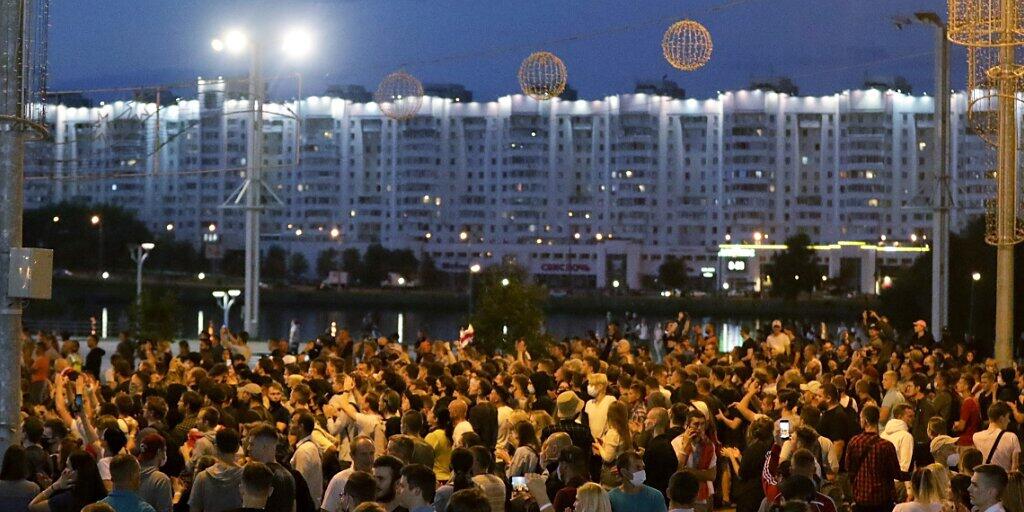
895,426
224,474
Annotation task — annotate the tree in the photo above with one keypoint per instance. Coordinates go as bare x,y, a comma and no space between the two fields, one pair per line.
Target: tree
156,317
298,266
793,270
516,307
351,263
326,262
672,272
274,265
909,298
373,269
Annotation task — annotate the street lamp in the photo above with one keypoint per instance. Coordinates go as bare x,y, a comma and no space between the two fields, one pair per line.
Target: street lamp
975,277
248,196
505,281
942,202
97,221
139,253
473,269
226,299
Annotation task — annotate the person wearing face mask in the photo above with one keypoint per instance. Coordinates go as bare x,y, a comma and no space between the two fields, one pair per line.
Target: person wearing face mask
154,486
597,406
632,495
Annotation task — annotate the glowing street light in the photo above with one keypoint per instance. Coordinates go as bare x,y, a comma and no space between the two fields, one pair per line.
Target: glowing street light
226,299
169,226
94,220
105,275
463,236
56,219
139,253
505,281
976,276
201,276
297,43
474,268
335,232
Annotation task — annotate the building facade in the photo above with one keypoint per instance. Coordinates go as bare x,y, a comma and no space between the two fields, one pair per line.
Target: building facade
581,193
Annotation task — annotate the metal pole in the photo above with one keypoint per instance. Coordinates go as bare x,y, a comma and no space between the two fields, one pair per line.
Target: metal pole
1006,193
12,161
940,215
469,306
253,199
140,255
970,319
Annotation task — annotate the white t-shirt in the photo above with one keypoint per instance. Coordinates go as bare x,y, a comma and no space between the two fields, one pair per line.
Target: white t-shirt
460,429
778,343
103,465
597,414
1003,455
332,496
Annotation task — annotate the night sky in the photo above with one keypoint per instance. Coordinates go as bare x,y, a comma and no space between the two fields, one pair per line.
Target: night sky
823,45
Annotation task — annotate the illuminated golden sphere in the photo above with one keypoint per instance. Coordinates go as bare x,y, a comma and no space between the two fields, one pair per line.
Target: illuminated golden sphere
687,45
543,76
400,95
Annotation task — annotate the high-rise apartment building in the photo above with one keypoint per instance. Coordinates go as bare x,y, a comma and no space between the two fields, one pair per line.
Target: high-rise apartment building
592,193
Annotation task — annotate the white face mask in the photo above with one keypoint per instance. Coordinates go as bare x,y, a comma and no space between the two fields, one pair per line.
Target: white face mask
592,390
639,477
531,389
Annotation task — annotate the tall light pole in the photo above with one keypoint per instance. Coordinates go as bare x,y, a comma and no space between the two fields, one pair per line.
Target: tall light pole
941,196
991,31
226,299
249,196
975,277
473,269
97,221
139,254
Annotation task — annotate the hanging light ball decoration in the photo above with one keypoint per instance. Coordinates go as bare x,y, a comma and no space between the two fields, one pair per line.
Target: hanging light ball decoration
543,76
400,96
687,45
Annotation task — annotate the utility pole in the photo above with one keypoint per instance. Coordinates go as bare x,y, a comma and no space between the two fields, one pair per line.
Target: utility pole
249,197
1006,189
941,201
13,97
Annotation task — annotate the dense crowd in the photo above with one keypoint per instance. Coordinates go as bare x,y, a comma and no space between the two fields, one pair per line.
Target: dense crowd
795,418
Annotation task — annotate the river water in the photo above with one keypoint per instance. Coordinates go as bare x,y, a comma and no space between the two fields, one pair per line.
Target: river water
276,321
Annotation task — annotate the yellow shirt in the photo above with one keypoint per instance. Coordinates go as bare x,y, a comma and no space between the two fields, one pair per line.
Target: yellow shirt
442,454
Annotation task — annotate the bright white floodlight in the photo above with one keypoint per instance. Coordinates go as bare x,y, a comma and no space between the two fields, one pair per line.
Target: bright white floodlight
217,45
297,43
235,41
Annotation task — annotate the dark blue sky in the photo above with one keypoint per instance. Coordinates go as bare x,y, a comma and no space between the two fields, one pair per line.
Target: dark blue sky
824,45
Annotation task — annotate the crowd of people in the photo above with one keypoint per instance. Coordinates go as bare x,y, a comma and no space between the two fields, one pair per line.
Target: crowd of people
792,419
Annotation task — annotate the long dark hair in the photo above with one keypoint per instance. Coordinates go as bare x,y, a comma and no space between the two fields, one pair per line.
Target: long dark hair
462,467
15,465
88,487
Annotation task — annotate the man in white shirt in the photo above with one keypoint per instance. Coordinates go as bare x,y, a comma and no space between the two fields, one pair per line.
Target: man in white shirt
457,409
987,486
997,445
362,460
306,459
597,406
778,341
897,432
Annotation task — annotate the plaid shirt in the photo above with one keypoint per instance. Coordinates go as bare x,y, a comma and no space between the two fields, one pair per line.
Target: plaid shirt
639,413
578,432
873,466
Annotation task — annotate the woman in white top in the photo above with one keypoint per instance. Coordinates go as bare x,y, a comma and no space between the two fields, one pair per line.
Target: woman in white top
597,407
930,487
615,441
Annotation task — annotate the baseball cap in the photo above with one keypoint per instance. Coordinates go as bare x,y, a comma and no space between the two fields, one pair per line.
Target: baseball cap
150,445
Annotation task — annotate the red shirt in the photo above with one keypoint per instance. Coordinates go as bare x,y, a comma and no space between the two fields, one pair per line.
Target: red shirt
970,414
40,368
